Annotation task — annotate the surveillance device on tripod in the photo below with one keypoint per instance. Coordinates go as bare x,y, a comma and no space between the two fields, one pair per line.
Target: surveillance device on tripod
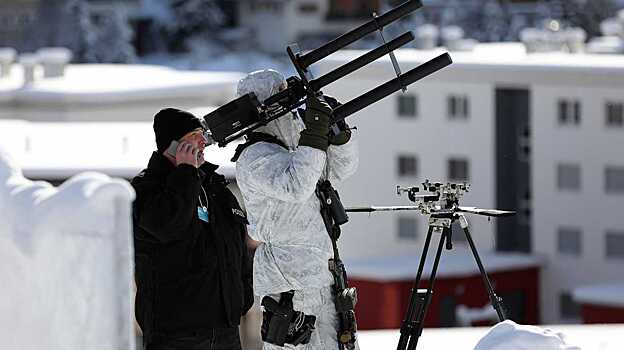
244,114
440,202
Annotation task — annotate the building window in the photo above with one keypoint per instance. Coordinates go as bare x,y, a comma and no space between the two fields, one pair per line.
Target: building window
458,107
308,8
614,179
408,165
568,308
569,177
569,241
407,105
615,114
362,9
408,228
266,6
615,244
569,112
458,169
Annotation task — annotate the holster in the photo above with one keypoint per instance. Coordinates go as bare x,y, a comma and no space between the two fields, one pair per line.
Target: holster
282,324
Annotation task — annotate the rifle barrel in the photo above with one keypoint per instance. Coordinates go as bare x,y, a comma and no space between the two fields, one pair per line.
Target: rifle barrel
391,86
361,61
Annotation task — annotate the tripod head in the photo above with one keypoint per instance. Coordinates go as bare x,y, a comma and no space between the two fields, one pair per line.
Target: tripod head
436,199
433,197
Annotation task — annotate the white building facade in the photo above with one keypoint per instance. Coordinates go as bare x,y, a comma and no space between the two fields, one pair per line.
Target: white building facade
541,134
278,23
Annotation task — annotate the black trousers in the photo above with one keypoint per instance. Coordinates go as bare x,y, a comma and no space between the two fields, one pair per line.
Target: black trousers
209,339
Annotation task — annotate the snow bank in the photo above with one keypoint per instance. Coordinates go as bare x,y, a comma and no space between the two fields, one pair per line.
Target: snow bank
65,262
509,335
586,337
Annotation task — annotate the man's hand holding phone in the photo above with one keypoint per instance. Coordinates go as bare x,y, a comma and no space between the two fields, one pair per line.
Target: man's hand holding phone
187,154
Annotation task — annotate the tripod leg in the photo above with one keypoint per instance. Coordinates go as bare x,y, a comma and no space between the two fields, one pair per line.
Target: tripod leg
497,302
422,312
407,328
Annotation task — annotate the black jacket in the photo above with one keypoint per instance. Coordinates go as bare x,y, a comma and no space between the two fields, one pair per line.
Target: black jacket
190,274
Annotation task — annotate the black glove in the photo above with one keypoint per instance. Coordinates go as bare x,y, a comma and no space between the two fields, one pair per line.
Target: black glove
339,133
343,136
316,120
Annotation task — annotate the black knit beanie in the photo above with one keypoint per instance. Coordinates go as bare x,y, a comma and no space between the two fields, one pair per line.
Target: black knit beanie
171,124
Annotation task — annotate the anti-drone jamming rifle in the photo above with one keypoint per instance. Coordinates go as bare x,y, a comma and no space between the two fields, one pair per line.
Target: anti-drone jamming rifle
245,114
441,203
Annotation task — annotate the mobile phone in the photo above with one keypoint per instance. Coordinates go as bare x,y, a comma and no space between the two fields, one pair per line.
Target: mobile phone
173,148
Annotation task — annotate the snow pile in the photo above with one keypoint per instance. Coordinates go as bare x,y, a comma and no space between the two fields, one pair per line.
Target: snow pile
509,335
65,262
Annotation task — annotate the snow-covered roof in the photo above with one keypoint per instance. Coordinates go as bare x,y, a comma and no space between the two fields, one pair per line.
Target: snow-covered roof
106,83
458,262
490,61
510,54
609,294
586,337
61,150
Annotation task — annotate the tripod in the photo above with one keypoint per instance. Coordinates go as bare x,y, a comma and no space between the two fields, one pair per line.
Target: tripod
413,324
441,203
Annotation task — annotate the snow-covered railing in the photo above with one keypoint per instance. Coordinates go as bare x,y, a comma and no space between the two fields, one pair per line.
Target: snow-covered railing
65,262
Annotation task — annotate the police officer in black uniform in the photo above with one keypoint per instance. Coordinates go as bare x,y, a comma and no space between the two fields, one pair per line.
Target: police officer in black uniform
193,270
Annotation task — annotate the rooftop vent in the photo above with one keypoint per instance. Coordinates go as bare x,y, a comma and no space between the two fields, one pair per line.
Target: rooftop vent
426,37
29,61
7,57
453,39
552,37
54,60
612,41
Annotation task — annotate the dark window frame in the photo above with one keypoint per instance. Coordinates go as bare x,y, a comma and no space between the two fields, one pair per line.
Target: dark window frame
572,243
568,308
614,114
458,107
561,184
614,245
453,168
308,7
569,112
404,169
614,185
407,106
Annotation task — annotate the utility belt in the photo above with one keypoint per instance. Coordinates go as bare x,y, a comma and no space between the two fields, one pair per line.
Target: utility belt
281,324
